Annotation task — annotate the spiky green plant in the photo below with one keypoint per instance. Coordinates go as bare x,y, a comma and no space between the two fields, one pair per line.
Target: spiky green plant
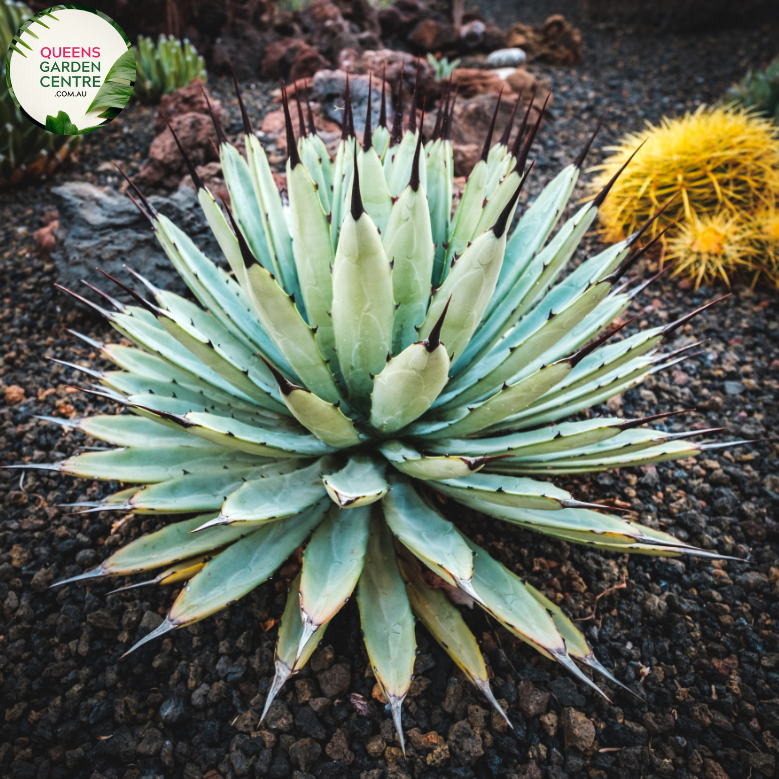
758,91
165,66
365,355
442,68
26,150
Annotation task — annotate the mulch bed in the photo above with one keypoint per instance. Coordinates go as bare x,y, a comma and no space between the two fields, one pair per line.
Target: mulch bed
695,640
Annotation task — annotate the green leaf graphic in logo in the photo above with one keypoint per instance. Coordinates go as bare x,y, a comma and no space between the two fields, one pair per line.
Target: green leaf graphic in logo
110,113
118,85
61,124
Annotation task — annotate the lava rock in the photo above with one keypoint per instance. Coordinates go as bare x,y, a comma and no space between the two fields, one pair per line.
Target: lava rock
713,770
432,35
98,227
578,729
329,88
417,76
555,42
304,753
322,659
752,581
654,606
242,49
279,717
42,579
151,743
566,692
172,711
465,156
186,100
101,619
464,743
658,723
292,59
473,114
308,723
329,32
335,680
532,701
338,748
165,165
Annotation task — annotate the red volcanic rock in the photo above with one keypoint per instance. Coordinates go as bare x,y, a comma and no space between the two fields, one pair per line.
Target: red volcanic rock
244,50
555,42
45,240
432,35
466,156
186,100
165,166
327,29
291,59
471,82
211,176
394,62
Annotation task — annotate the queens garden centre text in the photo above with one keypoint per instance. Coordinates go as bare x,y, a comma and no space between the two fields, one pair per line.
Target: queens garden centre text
70,72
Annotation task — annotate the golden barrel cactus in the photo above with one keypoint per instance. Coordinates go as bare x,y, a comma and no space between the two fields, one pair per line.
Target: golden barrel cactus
765,239
713,248
715,158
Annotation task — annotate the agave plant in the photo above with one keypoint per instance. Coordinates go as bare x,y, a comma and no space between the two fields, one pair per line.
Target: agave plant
372,353
26,149
166,66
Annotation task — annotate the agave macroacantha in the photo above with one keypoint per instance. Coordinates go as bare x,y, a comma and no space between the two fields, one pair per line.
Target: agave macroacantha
369,351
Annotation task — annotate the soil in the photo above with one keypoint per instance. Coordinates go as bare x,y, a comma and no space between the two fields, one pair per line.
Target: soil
695,640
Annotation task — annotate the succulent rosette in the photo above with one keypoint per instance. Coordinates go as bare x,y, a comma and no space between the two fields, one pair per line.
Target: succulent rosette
372,348
165,66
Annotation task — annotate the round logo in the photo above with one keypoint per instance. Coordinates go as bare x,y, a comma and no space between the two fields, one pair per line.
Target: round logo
70,69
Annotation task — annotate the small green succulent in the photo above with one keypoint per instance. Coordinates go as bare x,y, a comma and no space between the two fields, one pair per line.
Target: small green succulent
293,5
759,91
26,149
442,68
371,351
166,66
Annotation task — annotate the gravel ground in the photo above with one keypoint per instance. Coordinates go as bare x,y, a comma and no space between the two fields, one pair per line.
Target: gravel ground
695,641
